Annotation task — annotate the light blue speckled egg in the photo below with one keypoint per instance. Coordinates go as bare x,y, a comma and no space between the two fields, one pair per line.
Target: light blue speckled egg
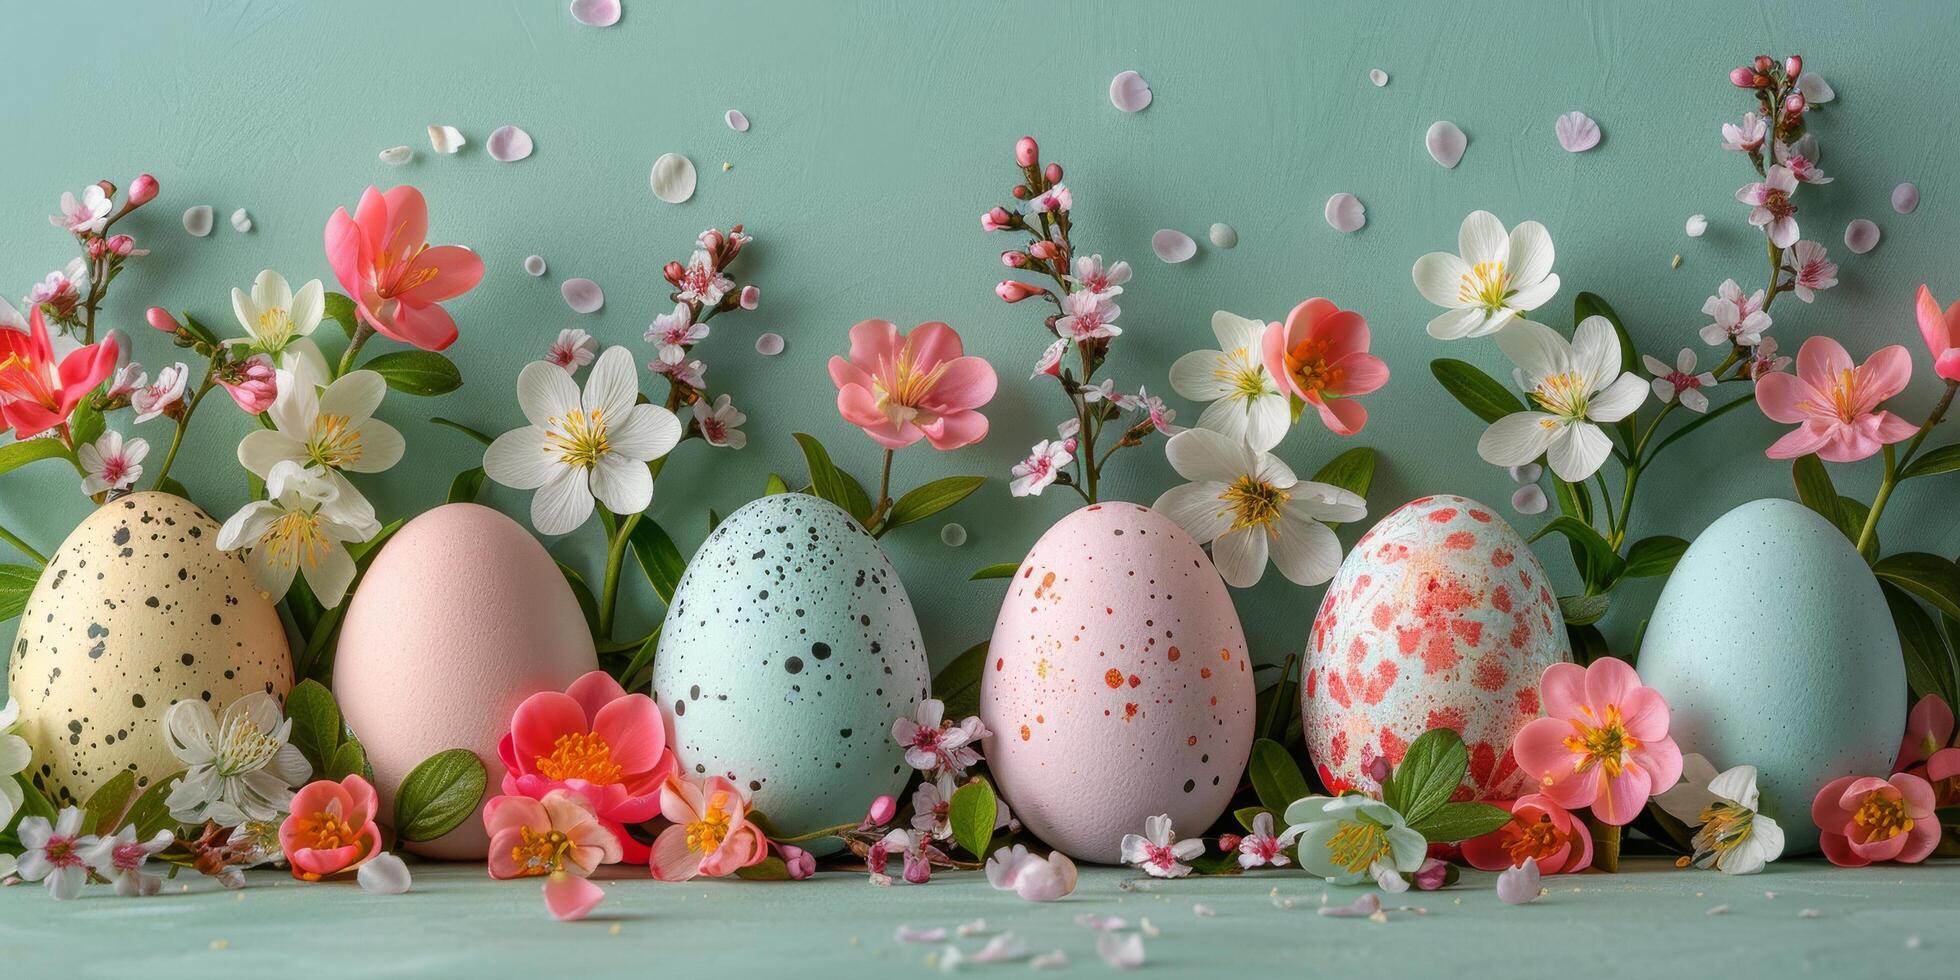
1774,648
789,649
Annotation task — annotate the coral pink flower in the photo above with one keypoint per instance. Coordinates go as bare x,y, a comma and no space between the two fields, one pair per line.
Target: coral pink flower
898,388
38,393
1320,357
1836,404
711,834
1943,772
559,833
330,828
597,741
383,260
1929,727
1942,332
1540,829
1604,742
1866,819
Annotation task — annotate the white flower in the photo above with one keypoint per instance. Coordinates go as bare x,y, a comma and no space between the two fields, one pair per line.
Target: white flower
1770,207
1088,316
129,375
120,857
1245,400
932,802
1494,277
67,282
86,216
1731,835
1575,386
692,374
1035,473
1746,137
1813,271
1350,839
674,332
573,349
1680,380
1104,392
1814,89
1738,319
237,768
581,447
15,754
54,853
1763,360
151,399
1092,276
333,430
280,322
1051,361
1161,416
1158,851
718,425
110,463
301,530
1801,165
1247,505
930,744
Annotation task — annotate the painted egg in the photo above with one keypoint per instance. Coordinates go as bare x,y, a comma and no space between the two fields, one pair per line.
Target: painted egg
137,610
788,651
1117,685
1441,617
1774,647
459,619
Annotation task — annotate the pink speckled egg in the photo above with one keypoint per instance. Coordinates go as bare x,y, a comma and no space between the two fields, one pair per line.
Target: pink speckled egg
1441,617
1117,685
462,616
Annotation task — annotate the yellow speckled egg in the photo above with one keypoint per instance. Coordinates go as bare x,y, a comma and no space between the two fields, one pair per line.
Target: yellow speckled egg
138,609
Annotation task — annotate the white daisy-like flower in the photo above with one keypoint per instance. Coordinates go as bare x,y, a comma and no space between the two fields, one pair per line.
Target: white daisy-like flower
334,431
1576,385
280,322
1248,505
1494,278
239,767
1730,834
1246,403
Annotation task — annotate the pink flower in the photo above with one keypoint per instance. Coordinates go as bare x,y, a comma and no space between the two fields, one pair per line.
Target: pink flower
1866,819
1942,333
914,846
86,216
1432,875
688,374
1158,851
1320,357
151,399
1039,471
929,742
1746,137
558,834
880,813
56,853
1929,727
38,393
898,388
1763,360
1800,166
1680,380
1539,829
1738,319
1051,361
330,828
597,741
1088,316
801,863
1262,846
1943,772
932,803
711,834
120,857
1050,201
1161,416
1090,274
700,282
383,260
1770,207
1814,272
1603,743
1836,405
252,383
573,349
675,332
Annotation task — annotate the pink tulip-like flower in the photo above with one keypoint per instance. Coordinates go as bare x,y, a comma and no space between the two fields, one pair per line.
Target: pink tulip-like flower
38,393
1836,404
558,834
1604,742
898,388
383,260
710,833
1865,819
252,383
597,741
1943,772
1320,357
1941,328
1540,829
1929,727
330,828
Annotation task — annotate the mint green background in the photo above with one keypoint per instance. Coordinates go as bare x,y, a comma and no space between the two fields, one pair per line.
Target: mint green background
882,131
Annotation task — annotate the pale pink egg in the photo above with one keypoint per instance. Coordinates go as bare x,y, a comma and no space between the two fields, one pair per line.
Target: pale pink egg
1117,684
460,618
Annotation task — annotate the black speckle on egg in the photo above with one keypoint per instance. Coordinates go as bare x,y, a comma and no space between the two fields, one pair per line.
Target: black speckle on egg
794,665
821,651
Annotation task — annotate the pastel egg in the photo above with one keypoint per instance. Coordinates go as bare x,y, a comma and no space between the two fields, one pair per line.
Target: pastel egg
1440,617
137,609
459,619
1117,685
788,651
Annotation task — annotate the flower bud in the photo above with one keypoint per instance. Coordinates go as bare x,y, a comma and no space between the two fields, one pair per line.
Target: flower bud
142,190
1013,259
1765,64
107,187
1020,192
122,245
1014,292
1378,769
993,220
161,319
97,248
883,809
1744,77
751,298
674,272
1053,173
711,240
1027,152
1793,66
1793,104
1228,842
1045,250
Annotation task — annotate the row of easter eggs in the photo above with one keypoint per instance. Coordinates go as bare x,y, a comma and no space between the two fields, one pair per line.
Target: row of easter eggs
1118,683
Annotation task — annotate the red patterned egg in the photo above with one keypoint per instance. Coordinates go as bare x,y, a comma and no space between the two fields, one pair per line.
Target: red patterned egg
1117,685
1441,617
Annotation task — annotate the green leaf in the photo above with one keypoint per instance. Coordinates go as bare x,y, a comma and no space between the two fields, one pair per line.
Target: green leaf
15,455
1575,501
999,569
1588,643
1945,459
416,372
1482,394
86,424
1653,556
827,481
150,812
774,485
340,309
714,520
438,795
467,485
1247,815
1605,563
972,815
659,558
1929,577
464,429
1583,610
33,802
1276,778
1454,822
1930,668
349,760
170,486
771,868
1432,768
642,658
316,723
1814,488
932,498
958,683
583,593
16,584
105,807
200,331
1352,471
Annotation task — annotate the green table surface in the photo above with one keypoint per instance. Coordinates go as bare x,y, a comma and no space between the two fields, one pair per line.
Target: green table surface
1651,920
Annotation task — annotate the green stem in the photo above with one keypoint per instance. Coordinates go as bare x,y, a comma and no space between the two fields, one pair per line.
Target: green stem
621,538
1895,463
22,547
354,344
840,829
177,438
884,504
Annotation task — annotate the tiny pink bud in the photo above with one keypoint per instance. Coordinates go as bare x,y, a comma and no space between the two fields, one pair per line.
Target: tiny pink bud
1014,292
995,219
674,272
1793,104
1020,193
122,245
1744,77
161,319
1013,259
1053,173
751,297
1228,842
1765,63
142,190
1045,250
711,240
107,187
97,248
1026,151
1432,874
1071,444
1793,66
883,809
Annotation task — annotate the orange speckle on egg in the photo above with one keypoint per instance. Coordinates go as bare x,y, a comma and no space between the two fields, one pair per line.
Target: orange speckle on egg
1174,655
1135,680
1204,672
1129,711
1041,719
1225,654
1214,700
1114,678
1026,733
1193,740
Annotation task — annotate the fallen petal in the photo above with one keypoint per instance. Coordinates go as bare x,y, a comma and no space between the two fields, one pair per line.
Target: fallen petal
1345,213
769,344
1697,225
241,221
672,178
569,897
1360,908
1577,132
1224,235
1123,952
596,13
1377,76
1860,236
952,535
1528,473
534,265
583,295
1529,500
1203,911
1520,885
1446,143
1905,197
1129,92
1816,91
1173,246
1049,961
384,874
446,139
907,934
1101,923
508,144
736,120
968,929
197,220
1001,949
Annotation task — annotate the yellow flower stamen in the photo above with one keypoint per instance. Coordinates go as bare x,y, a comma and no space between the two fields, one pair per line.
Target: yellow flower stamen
706,834
1357,844
1237,372
333,443
296,538
1562,395
580,755
275,329
1881,818
1607,745
539,853
1486,285
1254,503
579,438
900,386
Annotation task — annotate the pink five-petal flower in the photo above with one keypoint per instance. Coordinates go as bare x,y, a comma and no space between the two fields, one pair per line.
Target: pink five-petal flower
1929,727
1603,743
598,741
711,834
1320,357
1770,207
1865,819
558,834
38,393
330,828
383,259
1539,829
898,388
1941,328
1836,405
1943,771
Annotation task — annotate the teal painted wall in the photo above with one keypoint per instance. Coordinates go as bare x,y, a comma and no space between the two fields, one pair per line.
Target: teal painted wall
883,129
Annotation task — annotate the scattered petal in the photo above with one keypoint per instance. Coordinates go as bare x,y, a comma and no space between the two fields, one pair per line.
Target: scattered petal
446,139
769,344
1345,213
1203,911
907,934
953,535
569,898
1717,910
1577,132
672,178
1050,961
1378,77
1224,235
1860,236
1521,885
508,144
1129,92
241,221
395,156
1808,913
197,220
1675,263
1148,929
1697,225
1123,952
596,13
1360,908
1912,942
534,265
1905,197
1446,143
1173,246
384,874
1816,91
1529,500
970,929
736,120
583,295
1101,923
1528,473
1001,949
